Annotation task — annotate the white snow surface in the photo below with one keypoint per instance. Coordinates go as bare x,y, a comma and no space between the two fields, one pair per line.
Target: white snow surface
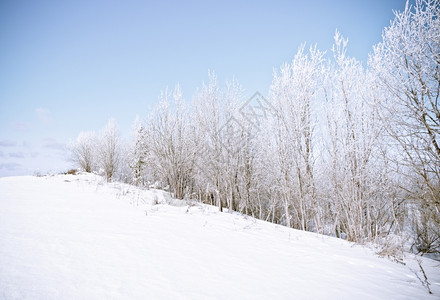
77,237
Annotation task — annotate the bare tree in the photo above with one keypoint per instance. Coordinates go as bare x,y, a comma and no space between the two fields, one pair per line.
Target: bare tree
293,92
138,154
171,146
211,114
109,150
354,142
407,65
83,151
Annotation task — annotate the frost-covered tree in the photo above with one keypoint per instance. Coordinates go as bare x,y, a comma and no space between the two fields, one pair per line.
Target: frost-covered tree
84,151
138,154
293,93
209,113
236,149
407,65
356,175
221,135
109,150
171,144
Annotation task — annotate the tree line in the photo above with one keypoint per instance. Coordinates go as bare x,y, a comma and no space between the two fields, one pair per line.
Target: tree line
336,148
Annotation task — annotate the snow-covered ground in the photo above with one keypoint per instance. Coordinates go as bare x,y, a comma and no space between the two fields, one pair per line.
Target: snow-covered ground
76,237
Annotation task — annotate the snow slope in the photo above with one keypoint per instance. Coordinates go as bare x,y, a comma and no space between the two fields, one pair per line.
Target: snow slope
76,237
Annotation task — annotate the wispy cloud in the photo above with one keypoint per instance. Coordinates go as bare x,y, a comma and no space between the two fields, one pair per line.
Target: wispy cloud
20,126
52,143
7,143
9,166
16,154
43,115
25,144
1,154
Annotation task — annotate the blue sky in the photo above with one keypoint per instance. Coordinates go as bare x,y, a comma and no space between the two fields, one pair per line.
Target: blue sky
69,66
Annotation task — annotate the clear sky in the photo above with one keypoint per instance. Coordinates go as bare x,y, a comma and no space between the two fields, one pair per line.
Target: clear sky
69,66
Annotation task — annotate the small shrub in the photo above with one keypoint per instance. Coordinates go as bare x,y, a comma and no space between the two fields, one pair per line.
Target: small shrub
392,247
71,172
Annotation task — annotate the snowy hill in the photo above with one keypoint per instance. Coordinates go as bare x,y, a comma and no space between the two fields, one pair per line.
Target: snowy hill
76,237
